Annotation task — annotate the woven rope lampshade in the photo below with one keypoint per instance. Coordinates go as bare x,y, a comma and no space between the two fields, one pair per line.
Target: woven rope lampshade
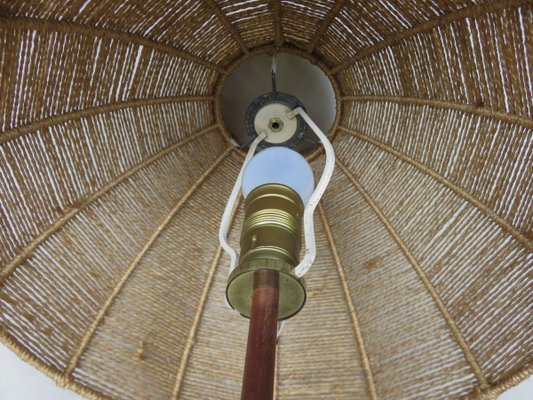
115,167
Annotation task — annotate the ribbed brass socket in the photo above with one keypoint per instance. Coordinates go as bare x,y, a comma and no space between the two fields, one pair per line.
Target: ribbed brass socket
270,239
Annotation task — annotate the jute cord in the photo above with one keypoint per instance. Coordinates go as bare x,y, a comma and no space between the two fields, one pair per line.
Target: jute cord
332,13
83,203
447,105
18,23
199,310
276,373
512,380
485,79
229,27
420,272
348,298
131,268
463,13
61,380
519,236
57,119
278,27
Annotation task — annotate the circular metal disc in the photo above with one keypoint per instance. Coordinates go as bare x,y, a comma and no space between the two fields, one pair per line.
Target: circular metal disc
268,112
273,120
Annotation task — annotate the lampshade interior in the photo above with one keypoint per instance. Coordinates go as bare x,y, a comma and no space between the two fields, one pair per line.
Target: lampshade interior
116,164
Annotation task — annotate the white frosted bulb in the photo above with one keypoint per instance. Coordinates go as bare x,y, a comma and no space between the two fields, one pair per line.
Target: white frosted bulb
279,165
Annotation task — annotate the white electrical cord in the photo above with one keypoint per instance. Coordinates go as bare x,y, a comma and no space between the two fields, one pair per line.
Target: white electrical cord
280,328
224,223
309,229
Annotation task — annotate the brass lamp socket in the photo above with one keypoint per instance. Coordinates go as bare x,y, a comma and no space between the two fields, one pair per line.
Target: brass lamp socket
270,239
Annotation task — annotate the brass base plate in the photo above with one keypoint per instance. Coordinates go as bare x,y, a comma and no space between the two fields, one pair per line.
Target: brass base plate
239,290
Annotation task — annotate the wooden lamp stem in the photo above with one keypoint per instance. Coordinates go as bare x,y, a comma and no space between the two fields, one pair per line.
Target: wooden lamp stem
259,367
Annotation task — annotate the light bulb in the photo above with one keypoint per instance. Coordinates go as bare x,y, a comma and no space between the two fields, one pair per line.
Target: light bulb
279,165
